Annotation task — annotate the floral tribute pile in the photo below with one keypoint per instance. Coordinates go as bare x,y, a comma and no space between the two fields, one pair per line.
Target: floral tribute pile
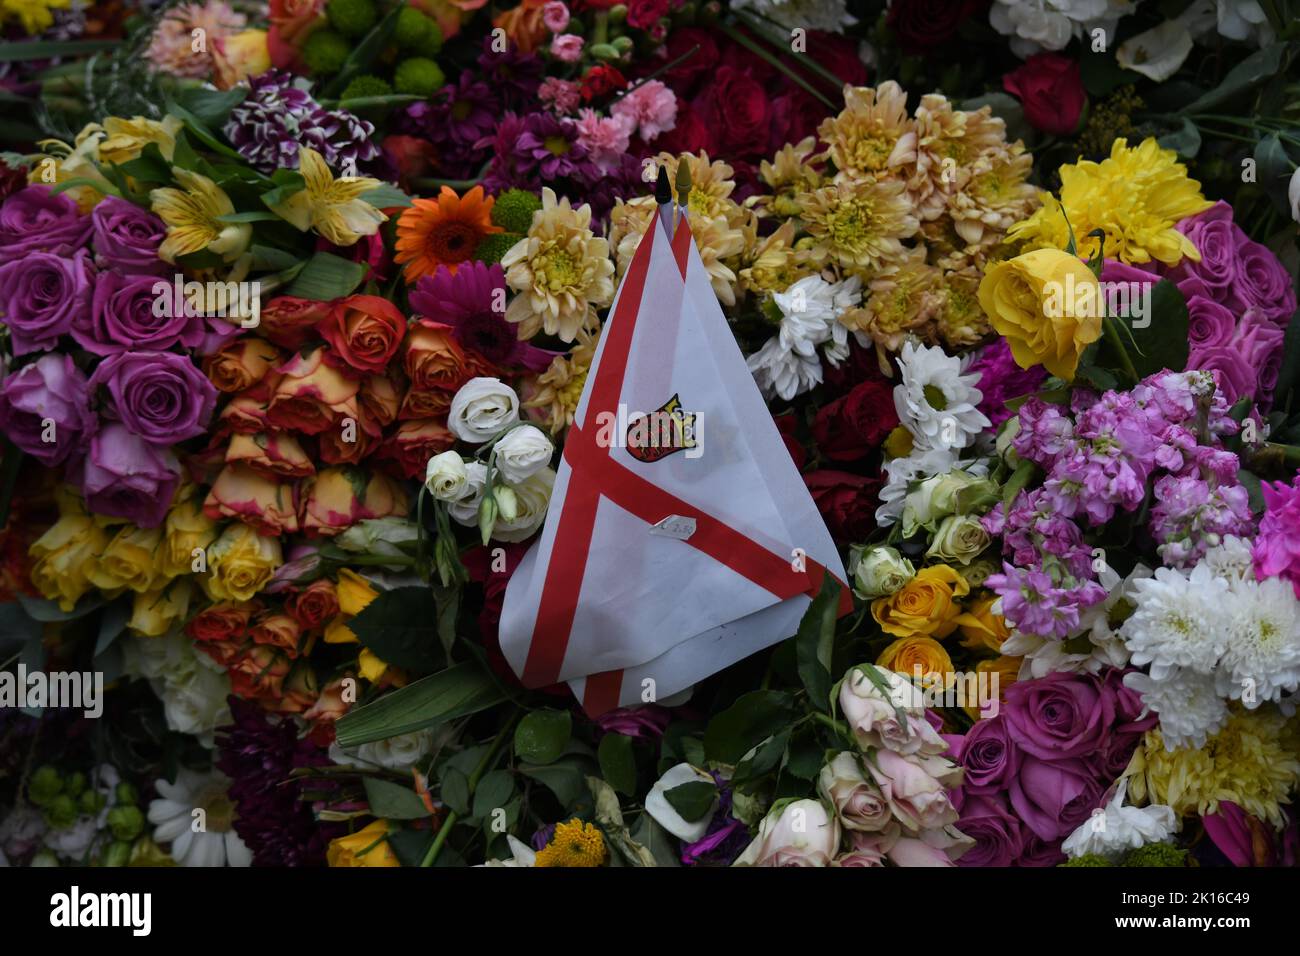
297,304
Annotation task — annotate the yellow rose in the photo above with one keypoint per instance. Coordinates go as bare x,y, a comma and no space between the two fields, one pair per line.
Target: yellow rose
185,529
129,561
63,555
1005,670
368,847
925,606
1047,304
240,563
242,55
912,655
354,592
155,613
981,629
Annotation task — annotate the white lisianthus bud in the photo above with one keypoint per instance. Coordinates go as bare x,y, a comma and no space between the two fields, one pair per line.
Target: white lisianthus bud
481,409
522,452
531,499
445,476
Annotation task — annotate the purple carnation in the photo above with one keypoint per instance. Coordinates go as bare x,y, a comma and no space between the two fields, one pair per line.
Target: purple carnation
126,477
45,409
41,294
160,396
127,237
36,219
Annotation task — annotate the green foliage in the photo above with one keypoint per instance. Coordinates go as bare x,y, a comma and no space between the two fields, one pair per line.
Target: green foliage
542,735
366,85
417,33
352,18
513,210
1156,854
1090,859
494,247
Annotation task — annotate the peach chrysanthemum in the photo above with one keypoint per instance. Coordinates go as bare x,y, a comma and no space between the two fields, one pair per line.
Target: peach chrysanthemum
789,173
773,263
959,319
872,137
858,226
949,143
994,197
902,298
558,389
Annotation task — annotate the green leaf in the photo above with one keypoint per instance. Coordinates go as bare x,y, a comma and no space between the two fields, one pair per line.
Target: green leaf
199,130
364,53
1263,64
327,277
815,640
270,259
617,763
649,834
410,845
765,758
456,692
692,800
386,197
750,720
541,736
1101,73
564,778
16,627
1289,374
368,102
393,801
493,792
1163,342
211,107
1273,169
19,51
400,626
260,215
1021,477
112,623
149,166
47,611
455,790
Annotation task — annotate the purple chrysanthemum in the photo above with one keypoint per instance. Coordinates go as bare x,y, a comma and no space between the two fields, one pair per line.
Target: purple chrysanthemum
455,120
276,118
536,151
514,75
258,752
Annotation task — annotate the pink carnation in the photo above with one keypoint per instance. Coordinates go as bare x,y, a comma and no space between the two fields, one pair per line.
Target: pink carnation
567,48
562,96
555,15
605,138
650,109
1277,548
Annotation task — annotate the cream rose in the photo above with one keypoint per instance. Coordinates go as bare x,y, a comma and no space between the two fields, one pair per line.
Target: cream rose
960,538
481,409
522,452
858,804
873,713
801,833
881,571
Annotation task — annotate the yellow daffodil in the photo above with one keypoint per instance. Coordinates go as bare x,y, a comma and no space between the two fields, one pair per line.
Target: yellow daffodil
333,207
191,214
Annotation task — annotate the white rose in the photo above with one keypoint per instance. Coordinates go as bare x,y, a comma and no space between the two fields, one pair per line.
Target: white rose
801,834
859,805
481,409
873,715
395,753
464,510
532,497
880,572
663,812
445,476
523,452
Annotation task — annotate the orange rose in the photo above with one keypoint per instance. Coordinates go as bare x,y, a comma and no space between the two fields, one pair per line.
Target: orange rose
274,455
259,672
313,396
434,359
364,332
911,655
265,505
314,605
241,363
1007,670
291,322
330,705
297,20
300,691
338,497
523,25
222,622
414,443
379,400
425,404
277,630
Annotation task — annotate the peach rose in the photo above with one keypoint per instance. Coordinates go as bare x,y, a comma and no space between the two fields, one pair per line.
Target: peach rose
420,403
260,502
434,359
237,57
330,705
259,672
222,622
291,322
524,25
414,443
379,401
246,412
340,496
271,454
241,364
299,691
313,396
297,20
277,630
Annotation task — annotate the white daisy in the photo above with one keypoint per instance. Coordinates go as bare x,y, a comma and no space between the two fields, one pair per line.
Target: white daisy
783,373
935,401
198,839
1189,706
1179,621
1262,659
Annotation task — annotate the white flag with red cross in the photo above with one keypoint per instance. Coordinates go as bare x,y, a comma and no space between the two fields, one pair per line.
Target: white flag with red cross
680,536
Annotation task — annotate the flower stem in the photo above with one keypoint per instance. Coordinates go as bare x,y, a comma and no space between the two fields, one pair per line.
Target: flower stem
488,759
1111,329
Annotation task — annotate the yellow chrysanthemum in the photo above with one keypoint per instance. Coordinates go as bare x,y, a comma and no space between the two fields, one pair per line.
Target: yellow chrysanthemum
772,264
790,172
872,137
1250,762
960,319
1136,197
561,271
720,241
34,15
858,226
559,388
333,207
191,214
573,844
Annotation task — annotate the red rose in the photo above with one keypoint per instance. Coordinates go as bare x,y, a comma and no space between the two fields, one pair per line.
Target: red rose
314,605
923,25
414,443
227,621
788,426
690,135
862,363
847,502
643,14
600,81
365,332
738,111
680,42
855,424
1050,89
291,322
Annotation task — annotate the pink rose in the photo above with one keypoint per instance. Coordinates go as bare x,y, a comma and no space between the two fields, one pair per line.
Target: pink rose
916,788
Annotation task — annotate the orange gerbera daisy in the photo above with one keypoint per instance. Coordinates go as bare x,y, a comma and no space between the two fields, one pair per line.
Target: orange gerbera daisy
443,231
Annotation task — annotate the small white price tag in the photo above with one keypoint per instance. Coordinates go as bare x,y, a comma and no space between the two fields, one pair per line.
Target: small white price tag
674,526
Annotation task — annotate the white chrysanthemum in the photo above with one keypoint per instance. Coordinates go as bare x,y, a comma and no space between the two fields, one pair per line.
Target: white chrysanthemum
198,839
1262,659
1179,621
1231,560
1188,704
782,373
1113,831
935,401
1037,25
807,311
395,753
901,472
831,16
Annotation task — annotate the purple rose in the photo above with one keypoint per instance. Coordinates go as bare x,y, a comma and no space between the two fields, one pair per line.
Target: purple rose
40,296
136,312
989,757
998,835
1041,853
127,237
1060,715
37,220
1054,797
159,396
126,477
45,409
1262,282
1214,235
1233,373
1208,323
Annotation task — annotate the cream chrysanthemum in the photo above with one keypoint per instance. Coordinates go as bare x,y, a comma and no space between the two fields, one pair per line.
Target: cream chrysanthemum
789,173
558,389
860,225
949,143
561,271
960,320
994,197
720,244
901,299
772,263
872,137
